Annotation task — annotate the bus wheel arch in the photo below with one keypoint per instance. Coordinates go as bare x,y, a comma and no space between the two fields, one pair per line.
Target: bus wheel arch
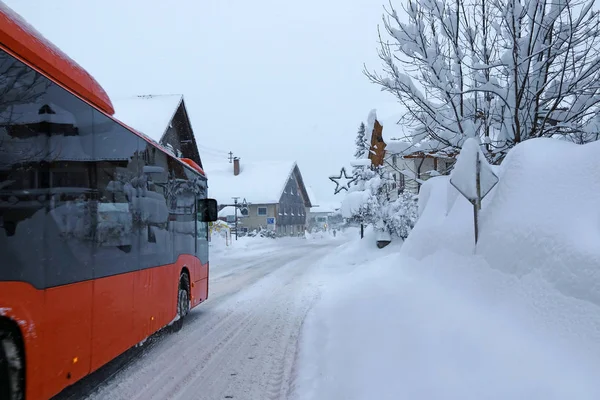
12,360
183,298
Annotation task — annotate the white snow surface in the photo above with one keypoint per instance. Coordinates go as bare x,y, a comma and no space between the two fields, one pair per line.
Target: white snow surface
226,211
398,146
149,114
259,182
326,208
433,318
353,202
371,118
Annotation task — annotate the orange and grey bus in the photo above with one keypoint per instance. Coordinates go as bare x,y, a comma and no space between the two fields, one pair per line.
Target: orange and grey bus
103,232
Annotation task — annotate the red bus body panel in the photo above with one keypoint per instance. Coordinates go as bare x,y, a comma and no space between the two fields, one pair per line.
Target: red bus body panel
72,330
84,325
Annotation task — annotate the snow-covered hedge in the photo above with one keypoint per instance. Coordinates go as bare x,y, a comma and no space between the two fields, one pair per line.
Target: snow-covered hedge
542,218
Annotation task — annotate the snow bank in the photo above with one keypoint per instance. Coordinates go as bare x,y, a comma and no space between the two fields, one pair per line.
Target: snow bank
445,328
517,317
542,218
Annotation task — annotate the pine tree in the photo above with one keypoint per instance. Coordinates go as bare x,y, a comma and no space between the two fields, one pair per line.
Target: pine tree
361,144
361,151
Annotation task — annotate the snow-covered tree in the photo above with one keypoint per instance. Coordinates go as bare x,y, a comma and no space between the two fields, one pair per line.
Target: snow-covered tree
361,144
503,70
361,152
369,202
400,216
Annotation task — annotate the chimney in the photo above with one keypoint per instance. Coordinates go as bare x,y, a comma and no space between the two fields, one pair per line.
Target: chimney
236,166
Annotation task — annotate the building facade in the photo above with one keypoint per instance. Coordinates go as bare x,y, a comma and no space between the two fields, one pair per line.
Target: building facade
275,193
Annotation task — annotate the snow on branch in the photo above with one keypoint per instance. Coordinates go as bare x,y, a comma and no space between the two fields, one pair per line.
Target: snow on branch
501,70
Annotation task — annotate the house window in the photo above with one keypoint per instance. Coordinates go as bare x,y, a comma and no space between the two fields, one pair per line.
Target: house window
262,211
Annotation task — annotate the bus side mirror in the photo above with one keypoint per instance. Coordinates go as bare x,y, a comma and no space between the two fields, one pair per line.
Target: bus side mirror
207,210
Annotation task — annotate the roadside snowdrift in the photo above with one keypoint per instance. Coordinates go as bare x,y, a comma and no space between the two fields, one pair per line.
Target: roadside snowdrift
516,318
542,218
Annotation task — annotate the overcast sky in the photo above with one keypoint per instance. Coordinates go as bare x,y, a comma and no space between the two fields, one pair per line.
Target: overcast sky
263,80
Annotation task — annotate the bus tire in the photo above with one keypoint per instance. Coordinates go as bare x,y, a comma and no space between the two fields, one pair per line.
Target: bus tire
11,367
183,301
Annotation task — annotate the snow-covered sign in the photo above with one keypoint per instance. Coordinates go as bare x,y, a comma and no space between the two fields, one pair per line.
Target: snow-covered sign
342,181
472,176
244,207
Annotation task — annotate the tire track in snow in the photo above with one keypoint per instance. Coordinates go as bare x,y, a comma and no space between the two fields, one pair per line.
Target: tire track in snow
243,346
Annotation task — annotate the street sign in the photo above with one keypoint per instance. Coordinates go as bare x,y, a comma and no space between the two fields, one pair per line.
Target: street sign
473,178
476,181
270,221
244,208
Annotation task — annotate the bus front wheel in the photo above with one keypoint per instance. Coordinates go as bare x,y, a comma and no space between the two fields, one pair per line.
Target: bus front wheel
183,301
11,387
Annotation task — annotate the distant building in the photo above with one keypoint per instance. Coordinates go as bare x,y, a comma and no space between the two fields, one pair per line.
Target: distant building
324,217
409,165
275,192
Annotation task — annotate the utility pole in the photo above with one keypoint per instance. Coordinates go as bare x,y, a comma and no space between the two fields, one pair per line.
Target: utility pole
235,203
230,157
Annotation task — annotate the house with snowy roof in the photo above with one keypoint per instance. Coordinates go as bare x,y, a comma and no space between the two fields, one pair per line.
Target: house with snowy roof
409,164
162,118
275,191
325,216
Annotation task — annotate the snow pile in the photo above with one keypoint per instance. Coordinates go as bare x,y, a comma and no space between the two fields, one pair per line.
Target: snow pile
450,327
371,119
542,218
517,317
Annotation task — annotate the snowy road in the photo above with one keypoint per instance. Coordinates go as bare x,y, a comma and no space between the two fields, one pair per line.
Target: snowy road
240,344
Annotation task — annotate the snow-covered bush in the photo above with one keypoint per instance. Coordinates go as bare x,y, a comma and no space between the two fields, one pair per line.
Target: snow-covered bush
400,216
370,202
263,233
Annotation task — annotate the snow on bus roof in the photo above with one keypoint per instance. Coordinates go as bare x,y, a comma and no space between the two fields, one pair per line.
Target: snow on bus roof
148,114
20,38
259,182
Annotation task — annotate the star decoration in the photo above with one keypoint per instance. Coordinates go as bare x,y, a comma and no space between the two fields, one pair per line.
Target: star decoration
342,181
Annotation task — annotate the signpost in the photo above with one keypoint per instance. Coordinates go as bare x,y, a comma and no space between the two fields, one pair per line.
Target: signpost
474,181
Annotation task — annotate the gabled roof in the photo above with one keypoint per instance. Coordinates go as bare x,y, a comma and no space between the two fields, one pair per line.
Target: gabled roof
261,182
30,45
149,114
311,195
